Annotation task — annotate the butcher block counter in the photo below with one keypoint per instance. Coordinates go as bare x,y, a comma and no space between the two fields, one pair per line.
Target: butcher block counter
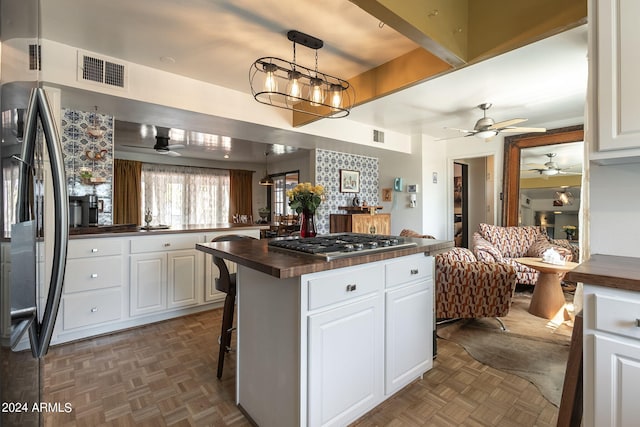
320,343
611,345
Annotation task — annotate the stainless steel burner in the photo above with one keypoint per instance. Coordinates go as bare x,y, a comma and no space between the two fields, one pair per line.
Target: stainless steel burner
334,246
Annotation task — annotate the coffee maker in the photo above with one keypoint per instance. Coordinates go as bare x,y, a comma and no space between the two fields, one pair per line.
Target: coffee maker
83,211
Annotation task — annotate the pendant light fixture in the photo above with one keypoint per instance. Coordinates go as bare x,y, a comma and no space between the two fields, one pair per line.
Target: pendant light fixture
266,179
291,86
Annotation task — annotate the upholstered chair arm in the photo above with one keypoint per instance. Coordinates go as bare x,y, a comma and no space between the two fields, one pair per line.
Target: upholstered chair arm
541,244
474,289
485,250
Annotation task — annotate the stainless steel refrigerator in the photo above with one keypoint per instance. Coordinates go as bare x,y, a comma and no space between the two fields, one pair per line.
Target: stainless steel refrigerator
34,218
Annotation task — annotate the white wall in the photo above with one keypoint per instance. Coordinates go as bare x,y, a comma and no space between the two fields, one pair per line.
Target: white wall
437,197
409,168
614,207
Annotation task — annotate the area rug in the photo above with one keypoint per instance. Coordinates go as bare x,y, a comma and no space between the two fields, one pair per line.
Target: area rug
533,348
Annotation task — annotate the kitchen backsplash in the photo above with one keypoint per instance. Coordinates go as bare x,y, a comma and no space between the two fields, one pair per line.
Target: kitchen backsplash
328,165
87,143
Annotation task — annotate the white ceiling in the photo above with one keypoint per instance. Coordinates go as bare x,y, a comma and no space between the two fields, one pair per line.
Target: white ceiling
217,41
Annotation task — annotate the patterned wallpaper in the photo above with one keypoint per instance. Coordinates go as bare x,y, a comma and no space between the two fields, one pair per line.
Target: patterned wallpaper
328,165
91,153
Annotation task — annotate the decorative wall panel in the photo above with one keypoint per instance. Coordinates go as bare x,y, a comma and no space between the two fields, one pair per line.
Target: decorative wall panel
328,166
89,153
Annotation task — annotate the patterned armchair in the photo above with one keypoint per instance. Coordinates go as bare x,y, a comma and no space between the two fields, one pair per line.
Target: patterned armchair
494,243
468,288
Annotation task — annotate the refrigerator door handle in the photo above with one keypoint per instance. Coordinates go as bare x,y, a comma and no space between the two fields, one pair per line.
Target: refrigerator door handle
40,335
21,320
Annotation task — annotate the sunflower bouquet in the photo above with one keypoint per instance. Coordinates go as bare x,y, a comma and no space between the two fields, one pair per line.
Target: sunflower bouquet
305,196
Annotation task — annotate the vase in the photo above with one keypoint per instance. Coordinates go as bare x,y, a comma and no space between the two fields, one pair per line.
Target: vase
307,224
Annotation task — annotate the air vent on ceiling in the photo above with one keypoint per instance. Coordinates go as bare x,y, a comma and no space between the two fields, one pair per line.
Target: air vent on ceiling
34,57
378,136
100,70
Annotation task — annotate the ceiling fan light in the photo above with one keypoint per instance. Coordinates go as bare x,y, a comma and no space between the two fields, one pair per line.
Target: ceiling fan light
483,134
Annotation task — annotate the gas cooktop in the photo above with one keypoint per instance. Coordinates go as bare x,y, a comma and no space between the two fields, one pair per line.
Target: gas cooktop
334,246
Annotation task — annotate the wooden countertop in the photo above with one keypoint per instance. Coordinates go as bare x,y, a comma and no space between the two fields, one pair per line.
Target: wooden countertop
609,271
114,231
255,254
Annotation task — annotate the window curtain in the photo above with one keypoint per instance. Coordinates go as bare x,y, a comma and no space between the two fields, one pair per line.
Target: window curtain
184,195
126,192
240,200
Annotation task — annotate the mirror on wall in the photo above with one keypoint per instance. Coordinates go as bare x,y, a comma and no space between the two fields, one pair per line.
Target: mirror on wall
542,178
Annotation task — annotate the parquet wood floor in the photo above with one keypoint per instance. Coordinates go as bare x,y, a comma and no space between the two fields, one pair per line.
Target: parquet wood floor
165,375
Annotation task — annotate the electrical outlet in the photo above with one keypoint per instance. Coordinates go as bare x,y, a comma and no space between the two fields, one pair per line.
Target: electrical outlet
435,177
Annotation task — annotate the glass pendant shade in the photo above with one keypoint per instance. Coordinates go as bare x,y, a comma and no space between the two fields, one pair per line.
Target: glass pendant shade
335,95
270,80
316,92
486,134
294,87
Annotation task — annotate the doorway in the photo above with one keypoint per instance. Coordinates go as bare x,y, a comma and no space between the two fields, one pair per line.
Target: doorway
474,186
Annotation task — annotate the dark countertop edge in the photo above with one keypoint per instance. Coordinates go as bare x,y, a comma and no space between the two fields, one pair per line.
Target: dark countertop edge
173,230
610,271
255,254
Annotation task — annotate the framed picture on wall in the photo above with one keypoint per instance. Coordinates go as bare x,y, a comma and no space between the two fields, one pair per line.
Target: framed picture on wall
349,181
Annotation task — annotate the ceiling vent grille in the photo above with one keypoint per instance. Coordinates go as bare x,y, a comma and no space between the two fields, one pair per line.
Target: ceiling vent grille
34,57
378,136
100,70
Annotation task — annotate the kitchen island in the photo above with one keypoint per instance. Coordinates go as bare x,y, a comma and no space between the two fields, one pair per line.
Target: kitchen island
320,343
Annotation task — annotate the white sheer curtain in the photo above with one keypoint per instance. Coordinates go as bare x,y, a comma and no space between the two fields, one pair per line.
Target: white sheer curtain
184,195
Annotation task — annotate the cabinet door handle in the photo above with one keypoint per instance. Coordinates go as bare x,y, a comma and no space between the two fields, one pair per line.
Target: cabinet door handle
94,309
166,245
94,276
94,250
414,271
351,288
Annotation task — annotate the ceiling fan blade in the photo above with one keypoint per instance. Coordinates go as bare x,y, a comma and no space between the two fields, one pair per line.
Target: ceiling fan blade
462,130
136,146
175,146
536,166
519,129
506,123
173,154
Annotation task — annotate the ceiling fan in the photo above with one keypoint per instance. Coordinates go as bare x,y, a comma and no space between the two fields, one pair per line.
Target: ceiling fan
549,168
162,145
486,128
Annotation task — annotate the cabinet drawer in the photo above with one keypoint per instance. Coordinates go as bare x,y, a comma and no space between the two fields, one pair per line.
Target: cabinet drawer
90,274
408,269
91,308
94,248
334,288
164,243
617,316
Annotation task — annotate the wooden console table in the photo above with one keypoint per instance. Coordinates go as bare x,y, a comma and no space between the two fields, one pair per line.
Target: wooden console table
360,223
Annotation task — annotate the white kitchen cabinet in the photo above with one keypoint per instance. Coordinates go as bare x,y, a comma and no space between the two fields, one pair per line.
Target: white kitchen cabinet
184,278
148,283
93,288
611,357
614,67
345,347
408,307
168,279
